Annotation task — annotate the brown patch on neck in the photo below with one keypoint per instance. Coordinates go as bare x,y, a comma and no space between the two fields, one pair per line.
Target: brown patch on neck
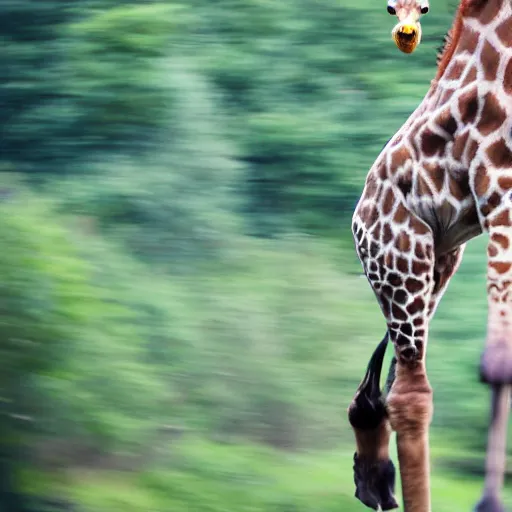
400,157
505,183
468,41
388,201
468,105
422,187
446,121
436,174
432,143
500,154
446,96
455,70
485,11
504,32
493,115
401,216
471,150
460,145
482,181
471,76
491,60
507,82
459,189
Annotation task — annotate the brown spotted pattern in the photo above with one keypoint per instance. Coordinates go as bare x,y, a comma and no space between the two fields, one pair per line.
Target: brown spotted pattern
444,178
435,182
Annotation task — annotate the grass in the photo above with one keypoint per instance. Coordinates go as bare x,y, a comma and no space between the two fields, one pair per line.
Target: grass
203,476
299,291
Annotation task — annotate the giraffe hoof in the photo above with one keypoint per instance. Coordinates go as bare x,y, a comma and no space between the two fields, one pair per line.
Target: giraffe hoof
375,483
489,503
496,364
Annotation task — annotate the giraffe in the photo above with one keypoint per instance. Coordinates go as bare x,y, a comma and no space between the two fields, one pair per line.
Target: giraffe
444,178
407,32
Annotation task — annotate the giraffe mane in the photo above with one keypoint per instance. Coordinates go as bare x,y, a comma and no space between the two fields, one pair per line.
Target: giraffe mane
451,39
447,41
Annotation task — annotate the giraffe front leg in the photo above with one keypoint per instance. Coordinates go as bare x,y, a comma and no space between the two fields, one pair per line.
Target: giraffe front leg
409,401
496,362
496,451
400,267
374,473
410,410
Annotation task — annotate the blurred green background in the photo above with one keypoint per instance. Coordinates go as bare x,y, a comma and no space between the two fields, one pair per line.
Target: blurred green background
183,317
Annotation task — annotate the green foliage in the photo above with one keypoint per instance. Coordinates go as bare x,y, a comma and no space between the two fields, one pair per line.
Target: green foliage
68,341
299,109
202,476
310,109
112,76
40,301
175,206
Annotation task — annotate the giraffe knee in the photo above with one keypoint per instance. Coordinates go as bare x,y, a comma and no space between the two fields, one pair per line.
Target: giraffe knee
410,412
496,363
409,355
410,402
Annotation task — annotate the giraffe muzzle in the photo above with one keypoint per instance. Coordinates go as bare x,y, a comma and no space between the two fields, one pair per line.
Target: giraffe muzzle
407,36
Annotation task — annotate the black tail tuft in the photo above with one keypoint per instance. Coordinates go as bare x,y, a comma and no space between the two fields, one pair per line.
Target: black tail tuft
368,409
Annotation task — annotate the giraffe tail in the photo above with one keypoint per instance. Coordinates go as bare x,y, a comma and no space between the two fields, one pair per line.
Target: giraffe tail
374,472
367,409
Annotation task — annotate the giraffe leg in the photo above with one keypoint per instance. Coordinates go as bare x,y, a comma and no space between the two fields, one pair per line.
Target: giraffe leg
408,287
409,401
374,473
496,451
496,362
410,410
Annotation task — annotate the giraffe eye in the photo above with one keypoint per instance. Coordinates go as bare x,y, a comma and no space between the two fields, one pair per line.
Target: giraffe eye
424,10
391,10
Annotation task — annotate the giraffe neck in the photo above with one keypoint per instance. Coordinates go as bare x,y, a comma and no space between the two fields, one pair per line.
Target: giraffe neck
462,125
487,22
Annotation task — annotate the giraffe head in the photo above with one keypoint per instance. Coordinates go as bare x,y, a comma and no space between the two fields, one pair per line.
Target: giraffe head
407,32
